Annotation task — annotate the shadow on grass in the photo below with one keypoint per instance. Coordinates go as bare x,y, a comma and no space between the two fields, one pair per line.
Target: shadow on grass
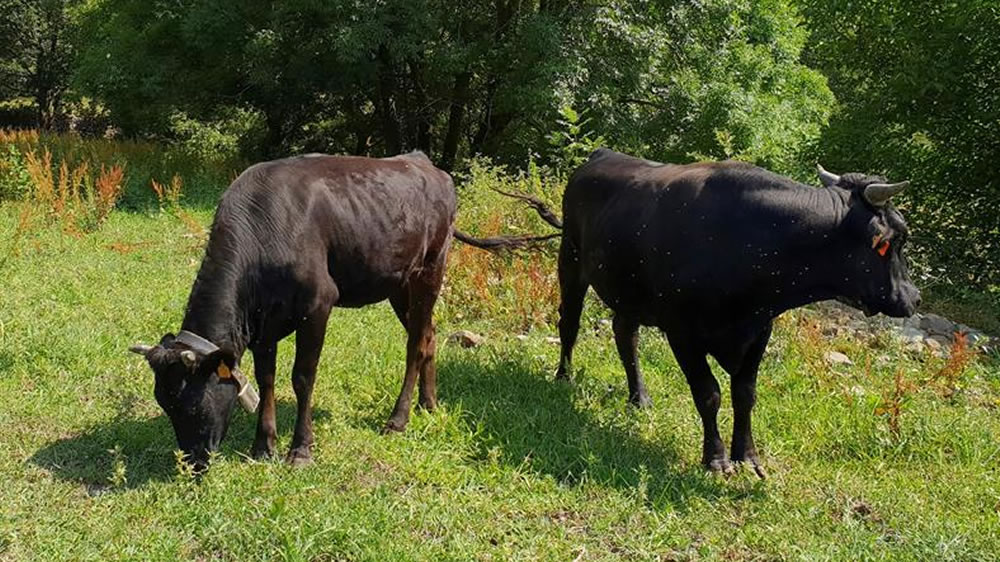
145,446
533,422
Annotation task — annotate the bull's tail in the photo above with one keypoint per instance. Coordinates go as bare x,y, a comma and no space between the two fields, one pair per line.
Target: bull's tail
501,243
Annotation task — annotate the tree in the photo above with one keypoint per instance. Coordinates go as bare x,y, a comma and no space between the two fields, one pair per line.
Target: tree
918,83
36,53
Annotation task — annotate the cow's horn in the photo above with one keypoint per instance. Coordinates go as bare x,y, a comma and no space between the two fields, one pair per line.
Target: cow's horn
188,357
827,178
878,194
140,348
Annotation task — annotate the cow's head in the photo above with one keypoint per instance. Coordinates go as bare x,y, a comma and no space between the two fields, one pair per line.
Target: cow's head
876,277
197,391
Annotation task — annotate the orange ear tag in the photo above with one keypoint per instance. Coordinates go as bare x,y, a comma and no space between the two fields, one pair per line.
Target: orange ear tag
223,371
883,248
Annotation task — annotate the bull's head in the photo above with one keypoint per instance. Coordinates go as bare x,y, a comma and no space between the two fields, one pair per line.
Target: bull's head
197,389
876,277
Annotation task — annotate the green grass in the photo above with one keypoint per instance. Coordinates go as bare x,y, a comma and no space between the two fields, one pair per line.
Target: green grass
512,466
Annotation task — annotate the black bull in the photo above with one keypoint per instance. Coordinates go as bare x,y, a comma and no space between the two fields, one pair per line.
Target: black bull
710,254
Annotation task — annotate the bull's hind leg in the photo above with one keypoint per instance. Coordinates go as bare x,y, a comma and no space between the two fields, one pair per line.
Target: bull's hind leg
420,346
627,340
743,387
308,346
572,289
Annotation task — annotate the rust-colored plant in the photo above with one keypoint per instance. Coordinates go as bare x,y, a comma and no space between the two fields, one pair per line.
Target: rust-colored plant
961,354
107,190
893,400
73,197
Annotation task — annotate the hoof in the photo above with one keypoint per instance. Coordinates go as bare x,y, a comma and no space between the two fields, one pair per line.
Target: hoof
393,426
299,457
261,453
428,405
752,463
719,466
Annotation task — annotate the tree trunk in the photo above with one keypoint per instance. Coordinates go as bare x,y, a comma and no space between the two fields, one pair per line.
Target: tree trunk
456,115
387,95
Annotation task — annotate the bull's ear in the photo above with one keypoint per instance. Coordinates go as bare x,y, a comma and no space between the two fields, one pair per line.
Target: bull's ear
167,340
222,362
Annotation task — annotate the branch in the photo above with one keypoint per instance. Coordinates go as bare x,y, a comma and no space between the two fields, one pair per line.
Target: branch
538,205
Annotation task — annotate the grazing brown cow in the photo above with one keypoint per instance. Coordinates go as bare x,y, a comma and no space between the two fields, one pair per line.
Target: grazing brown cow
292,239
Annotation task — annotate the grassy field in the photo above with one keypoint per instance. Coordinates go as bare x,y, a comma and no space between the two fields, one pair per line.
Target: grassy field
892,458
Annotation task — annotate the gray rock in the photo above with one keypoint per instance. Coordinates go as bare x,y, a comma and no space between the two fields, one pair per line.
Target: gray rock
911,334
837,358
913,321
915,346
937,325
465,338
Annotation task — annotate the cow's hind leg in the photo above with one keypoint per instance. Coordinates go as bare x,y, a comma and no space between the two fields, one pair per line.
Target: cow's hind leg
308,346
707,399
420,347
743,387
627,340
572,289
264,356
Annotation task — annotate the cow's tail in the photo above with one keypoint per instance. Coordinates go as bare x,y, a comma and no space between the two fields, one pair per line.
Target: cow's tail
501,243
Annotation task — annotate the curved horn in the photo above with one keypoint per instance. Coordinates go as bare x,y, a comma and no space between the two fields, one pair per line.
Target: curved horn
140,348
827,178
878,194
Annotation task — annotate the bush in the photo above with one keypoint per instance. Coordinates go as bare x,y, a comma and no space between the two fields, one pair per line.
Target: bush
222,139
15,181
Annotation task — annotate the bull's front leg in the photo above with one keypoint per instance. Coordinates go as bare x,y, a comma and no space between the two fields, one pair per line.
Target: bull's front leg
264,358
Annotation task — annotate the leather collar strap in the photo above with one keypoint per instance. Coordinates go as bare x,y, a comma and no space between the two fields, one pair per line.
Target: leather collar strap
247,393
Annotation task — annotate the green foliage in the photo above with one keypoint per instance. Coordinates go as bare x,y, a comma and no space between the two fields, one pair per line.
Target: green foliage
223,139
919,99
572,143
14,178
676,81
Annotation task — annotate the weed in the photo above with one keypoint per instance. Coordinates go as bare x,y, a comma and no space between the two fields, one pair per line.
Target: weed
959,357
893,400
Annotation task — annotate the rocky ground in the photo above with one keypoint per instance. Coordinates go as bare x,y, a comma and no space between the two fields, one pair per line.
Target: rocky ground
919,333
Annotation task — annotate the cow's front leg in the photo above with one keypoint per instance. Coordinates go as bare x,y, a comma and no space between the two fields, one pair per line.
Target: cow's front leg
744,395
308,347
707,399
264,357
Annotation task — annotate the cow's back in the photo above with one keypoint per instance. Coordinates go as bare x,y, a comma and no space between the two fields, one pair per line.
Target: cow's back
374,221
652,237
